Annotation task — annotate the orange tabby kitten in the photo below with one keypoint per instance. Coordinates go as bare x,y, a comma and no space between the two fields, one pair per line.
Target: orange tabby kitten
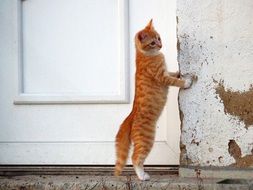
151,88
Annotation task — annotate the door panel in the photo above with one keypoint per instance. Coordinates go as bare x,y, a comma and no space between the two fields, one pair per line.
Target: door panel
67,79
61,39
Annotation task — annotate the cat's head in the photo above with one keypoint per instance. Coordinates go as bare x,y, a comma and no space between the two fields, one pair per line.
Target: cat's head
148,40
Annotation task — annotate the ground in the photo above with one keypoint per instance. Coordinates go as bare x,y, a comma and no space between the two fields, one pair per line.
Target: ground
129,182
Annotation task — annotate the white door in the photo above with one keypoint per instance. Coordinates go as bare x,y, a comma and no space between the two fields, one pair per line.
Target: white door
67,79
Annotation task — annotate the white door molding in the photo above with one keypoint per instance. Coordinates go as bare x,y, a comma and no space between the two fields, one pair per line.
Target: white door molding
120,95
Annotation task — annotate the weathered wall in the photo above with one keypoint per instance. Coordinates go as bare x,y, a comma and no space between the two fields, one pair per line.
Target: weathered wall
215,43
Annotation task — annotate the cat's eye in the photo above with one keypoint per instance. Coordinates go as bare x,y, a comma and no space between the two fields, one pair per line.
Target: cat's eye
152,43
159,38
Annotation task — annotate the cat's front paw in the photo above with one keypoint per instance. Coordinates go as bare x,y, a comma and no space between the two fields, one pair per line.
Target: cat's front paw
188,82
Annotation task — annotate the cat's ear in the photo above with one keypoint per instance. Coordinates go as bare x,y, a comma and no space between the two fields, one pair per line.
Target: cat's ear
142,36
150,25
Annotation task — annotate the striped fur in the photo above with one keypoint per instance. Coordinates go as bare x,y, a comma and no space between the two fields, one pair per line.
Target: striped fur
151,88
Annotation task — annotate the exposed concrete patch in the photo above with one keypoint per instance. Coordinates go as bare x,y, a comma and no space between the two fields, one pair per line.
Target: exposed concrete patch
235,151
238,104
244,162
184,159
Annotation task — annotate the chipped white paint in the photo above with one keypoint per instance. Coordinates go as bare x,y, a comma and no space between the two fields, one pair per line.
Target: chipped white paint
216,44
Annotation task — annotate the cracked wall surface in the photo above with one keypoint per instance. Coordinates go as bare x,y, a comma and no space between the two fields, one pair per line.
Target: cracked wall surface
215,43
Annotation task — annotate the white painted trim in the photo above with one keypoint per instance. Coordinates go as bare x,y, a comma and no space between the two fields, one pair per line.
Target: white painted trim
23,98
71,153
29,99
19,45
123,11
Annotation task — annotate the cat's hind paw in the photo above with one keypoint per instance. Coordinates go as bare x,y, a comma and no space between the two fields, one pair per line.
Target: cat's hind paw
144,177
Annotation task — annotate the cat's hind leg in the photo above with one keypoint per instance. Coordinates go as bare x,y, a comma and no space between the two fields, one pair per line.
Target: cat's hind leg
139,170
142,147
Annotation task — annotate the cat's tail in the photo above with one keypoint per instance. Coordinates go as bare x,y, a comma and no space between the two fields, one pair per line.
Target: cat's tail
123,142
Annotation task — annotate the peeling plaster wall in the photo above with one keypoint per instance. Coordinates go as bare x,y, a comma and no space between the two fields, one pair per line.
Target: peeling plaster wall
215,43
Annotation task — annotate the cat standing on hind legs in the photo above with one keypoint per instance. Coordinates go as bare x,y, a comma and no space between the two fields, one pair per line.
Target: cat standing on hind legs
151,87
